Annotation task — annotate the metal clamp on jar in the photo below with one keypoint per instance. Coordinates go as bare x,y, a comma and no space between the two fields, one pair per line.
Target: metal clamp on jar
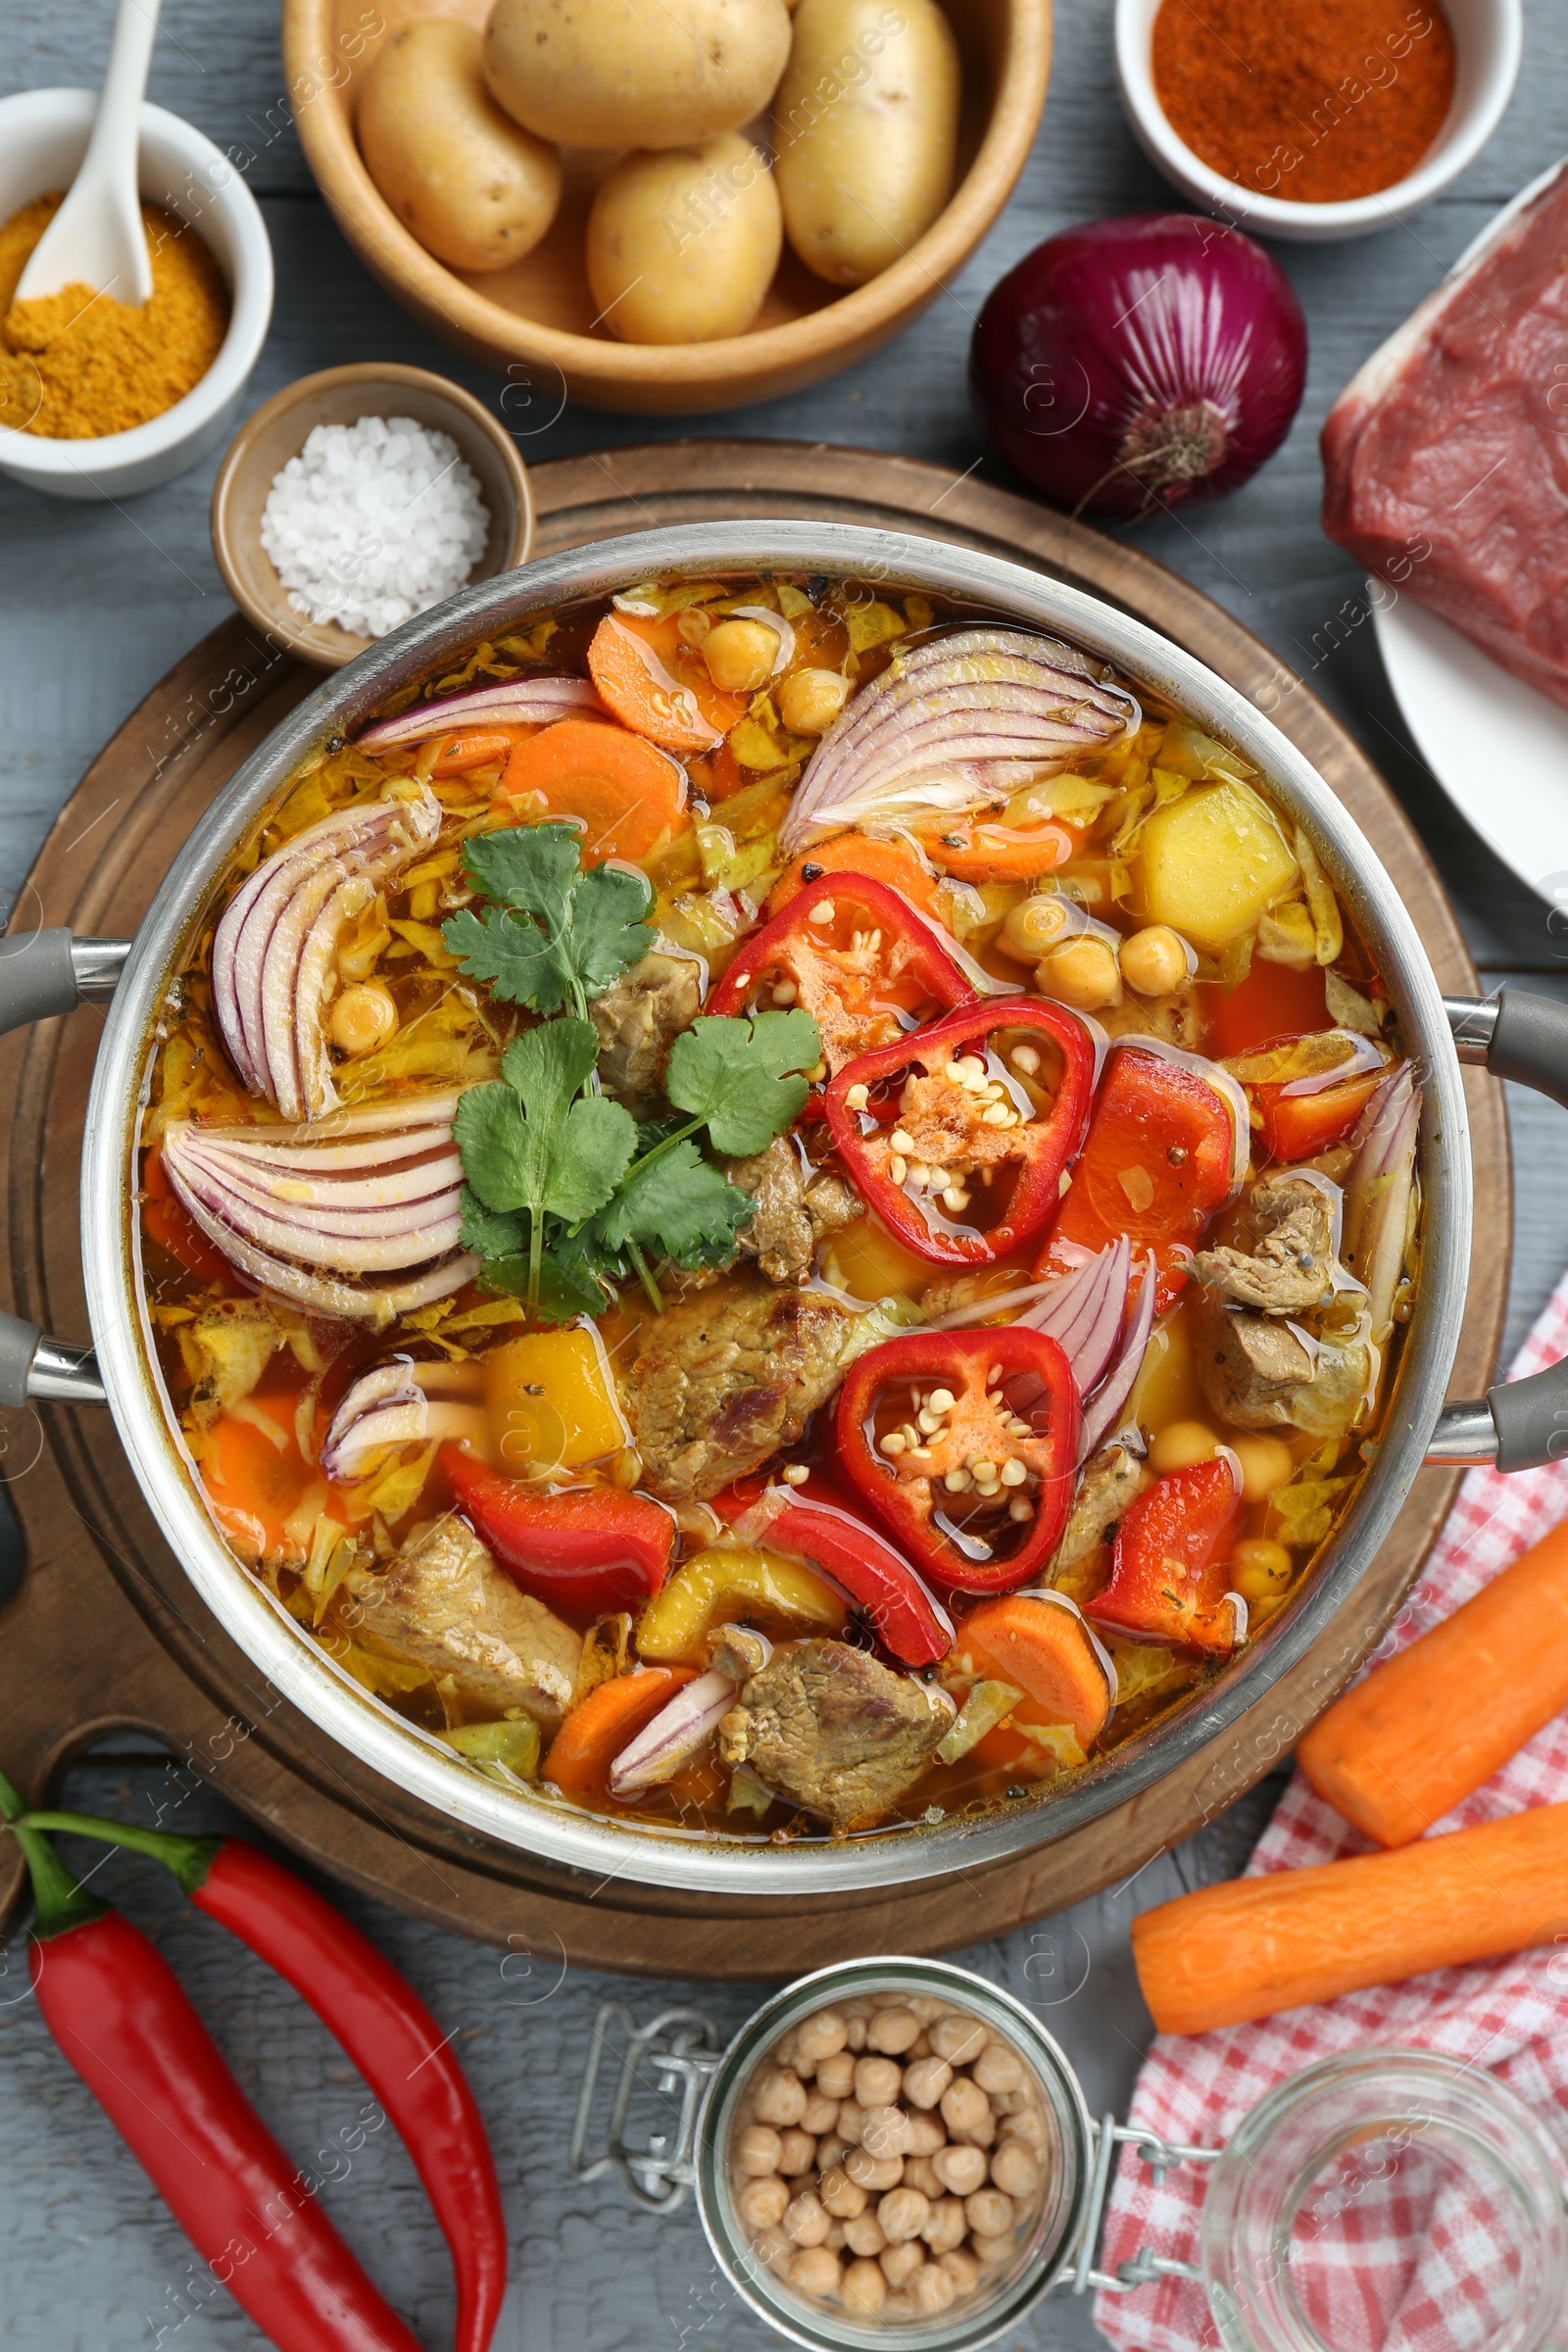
880,2185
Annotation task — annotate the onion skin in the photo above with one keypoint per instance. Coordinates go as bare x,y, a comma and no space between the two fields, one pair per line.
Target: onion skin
1128,365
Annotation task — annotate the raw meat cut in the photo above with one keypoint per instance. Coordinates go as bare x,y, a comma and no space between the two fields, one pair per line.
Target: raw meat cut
1446,457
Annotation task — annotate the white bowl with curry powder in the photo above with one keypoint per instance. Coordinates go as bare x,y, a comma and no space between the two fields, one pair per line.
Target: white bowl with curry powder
43,138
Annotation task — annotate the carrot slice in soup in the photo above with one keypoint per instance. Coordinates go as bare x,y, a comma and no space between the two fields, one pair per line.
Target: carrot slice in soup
1044,1651
630,796
634,683
610,1719
983,850
254,1481
886,862
479,750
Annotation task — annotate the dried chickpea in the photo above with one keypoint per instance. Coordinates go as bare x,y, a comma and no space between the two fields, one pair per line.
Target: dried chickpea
856,2033
947,2225
925,2134
830,2151
903,2214
772,2249
989,2251
757,2150
921,2048
999,2068
1014,2170
761,2203
805,2219
740,654
878,2083
959,2039
1081,972
1008,2102
965,2108
1033,926
862,2288
1181,1443
1153,961
1266,1463
835,2240
811,700
901,2262
822,2037
885,2131
362,1019
927,2008
820,2115
919,2173
960,2170
797,2153
842,2197
779,2097
990,2213
1027,2126
834,2076
933,2291
925,2080
814,2271
893,2030
862,2234
851,2117
873,2172
962,2267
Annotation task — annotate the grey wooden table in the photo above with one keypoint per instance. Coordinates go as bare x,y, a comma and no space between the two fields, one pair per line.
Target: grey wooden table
98,602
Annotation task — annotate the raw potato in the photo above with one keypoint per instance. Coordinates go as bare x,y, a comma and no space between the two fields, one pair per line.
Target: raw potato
1214,862
476,190
866,132
682,246
635,73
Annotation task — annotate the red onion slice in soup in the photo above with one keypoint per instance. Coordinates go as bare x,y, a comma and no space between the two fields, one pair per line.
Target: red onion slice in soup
676,1731
515,701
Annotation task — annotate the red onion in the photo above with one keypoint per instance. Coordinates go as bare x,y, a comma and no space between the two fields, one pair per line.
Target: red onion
1101,1414
953,723
1129,364
516,703
1377,1194
391,1405
1083,1313
676,1731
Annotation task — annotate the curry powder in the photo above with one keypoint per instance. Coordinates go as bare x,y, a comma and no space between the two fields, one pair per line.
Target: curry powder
76,364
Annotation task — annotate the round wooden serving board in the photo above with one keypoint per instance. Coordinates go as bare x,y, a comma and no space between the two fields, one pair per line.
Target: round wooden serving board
106,1635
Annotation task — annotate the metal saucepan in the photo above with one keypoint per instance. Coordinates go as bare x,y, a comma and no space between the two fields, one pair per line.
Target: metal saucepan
44,974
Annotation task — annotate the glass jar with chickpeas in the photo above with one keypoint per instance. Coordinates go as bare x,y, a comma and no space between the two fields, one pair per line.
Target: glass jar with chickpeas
893,2151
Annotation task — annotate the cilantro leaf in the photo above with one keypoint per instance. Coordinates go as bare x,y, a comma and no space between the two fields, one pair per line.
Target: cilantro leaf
552,933
676,1203
525,1140
569,1284
736,1075
490,1233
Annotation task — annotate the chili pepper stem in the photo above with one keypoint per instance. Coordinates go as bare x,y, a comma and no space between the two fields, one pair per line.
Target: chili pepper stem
60,1902
190,1858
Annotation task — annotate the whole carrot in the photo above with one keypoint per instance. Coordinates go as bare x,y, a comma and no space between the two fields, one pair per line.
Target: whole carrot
1400,1749
1255,1946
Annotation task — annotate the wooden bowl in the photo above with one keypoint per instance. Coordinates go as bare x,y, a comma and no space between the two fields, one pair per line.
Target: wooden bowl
534,322
279,430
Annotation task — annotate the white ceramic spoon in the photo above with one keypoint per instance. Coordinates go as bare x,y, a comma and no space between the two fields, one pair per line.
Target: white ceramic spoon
97,238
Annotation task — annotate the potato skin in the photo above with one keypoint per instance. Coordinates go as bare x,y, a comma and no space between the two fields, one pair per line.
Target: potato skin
866,132
477,191
682,245
634,72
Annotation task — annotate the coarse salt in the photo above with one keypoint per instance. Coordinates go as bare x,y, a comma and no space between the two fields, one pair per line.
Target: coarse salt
373,522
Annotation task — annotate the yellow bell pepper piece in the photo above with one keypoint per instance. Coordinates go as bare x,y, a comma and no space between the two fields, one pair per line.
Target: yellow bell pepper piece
720,1588
551,1399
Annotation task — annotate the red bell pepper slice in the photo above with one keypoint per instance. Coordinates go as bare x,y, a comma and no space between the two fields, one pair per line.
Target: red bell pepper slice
964,1535
1300,1105
898,1111
1170,1564
1156,1166
580,1549
857,955
907,1619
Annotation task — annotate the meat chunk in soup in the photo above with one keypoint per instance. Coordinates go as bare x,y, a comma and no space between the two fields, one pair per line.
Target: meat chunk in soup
1287,1270
443,1603
726,1378
834,1732
797,1207
1111,1482
638,1020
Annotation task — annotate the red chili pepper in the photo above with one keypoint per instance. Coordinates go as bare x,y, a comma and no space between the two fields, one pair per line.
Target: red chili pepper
906,1093
584,1549
966,1537
378,2019
1157,1165
868,970
122,2019
909,1620
1169,1568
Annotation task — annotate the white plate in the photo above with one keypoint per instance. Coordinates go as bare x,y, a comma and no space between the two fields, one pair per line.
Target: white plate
1497,747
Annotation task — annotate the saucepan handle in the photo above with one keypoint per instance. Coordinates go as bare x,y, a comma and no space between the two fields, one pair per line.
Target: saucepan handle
1523,1425
44,974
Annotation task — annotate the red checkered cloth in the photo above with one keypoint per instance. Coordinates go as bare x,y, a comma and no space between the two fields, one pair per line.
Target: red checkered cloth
1401,2271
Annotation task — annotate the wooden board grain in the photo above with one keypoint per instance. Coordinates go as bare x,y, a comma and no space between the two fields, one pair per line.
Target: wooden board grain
106,1634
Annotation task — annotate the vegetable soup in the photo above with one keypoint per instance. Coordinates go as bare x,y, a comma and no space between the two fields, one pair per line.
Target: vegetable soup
777,1208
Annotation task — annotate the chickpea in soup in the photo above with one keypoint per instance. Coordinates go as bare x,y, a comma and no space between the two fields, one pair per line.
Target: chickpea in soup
777,1207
